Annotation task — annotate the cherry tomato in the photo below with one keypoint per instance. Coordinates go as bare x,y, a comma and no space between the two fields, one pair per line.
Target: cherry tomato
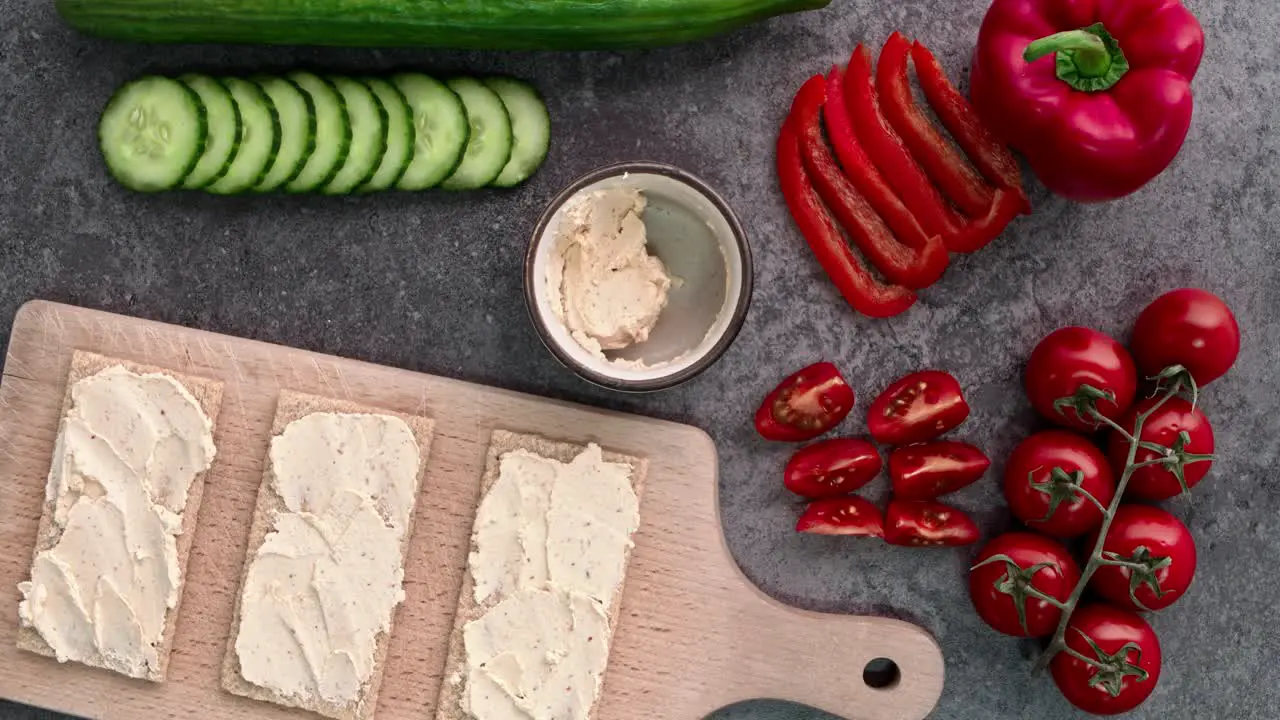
919,407
927,470
1129,654
1163,553
1043,479
1189,327
1074,356
832,468
1009,574
805,405
926,523
842,516
1166,427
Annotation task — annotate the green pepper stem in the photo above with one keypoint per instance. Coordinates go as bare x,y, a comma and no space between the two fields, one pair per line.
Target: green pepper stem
1088,59
1091,56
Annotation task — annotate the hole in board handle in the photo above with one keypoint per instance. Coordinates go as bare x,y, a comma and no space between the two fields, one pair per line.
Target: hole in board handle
881,674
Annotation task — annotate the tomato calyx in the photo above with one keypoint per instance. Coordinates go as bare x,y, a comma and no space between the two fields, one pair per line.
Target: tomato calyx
1143,567
1174,379
1110,669
1017,584
1061,487
1174,458
1085,402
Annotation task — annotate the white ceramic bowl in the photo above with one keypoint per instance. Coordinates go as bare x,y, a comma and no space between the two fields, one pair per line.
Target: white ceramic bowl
695,234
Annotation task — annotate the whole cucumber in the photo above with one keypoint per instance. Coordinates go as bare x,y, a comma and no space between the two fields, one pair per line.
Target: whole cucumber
475,24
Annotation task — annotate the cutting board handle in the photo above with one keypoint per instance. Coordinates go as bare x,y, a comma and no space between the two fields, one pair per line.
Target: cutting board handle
856,667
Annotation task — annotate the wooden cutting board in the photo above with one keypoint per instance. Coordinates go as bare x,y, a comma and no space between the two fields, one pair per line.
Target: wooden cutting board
694,634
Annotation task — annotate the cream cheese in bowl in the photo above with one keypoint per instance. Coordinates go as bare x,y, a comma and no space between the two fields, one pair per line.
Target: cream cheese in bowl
638,276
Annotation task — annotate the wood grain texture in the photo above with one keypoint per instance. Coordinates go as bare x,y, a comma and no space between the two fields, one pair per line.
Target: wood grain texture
694,635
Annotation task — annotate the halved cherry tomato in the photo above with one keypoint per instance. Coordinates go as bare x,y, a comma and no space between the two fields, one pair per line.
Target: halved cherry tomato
1124,656
832,468
1161,555
1189,327
1188,438
918,407
1044,477
1011,578
926,523
805,405
1075,366
927,470
842,516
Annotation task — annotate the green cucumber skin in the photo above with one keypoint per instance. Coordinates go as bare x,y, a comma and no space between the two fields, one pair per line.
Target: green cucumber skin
491,25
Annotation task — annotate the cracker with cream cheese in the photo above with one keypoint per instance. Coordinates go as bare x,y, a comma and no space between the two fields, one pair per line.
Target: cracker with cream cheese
207,394
291,407
454,687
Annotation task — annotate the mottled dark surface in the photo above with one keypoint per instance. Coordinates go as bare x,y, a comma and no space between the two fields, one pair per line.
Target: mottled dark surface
431,282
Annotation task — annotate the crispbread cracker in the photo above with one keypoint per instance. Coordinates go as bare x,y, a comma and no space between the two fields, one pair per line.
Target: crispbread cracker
500,443
289,407
208,393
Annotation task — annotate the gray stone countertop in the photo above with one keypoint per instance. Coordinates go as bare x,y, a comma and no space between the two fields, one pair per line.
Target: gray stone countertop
431,282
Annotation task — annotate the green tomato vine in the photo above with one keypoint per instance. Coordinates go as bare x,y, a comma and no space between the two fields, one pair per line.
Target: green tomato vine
1112,668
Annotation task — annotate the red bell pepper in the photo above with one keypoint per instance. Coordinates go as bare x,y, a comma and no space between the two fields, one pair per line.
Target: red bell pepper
939,158
988,154
891,156
860,288
977,234
1096,95
898,263
870,183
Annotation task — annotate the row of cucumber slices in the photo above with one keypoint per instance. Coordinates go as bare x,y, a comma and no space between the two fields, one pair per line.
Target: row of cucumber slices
303,132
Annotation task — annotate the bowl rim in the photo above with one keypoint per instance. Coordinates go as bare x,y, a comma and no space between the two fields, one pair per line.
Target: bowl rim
741,305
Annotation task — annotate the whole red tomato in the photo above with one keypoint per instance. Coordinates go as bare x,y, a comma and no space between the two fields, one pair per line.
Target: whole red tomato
1162,553
1181,428
1043,479
927,470
1009,573
805,405
1128,656
1070,358
832,468
918,407
842,516
1189,327
926,523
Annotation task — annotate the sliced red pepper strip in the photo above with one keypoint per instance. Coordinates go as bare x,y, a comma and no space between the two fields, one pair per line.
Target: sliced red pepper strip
891,156
992,158
872,186
977,234
863,292
941,161
898,263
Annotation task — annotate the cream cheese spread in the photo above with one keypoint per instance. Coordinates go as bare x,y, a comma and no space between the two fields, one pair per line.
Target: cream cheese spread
127,451
603,283
549,553
325,582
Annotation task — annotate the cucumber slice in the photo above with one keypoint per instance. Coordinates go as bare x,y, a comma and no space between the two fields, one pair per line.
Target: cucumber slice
259,141
297,116
489,146
440,130
152,133
224,130
530,129
368,136
333,133
400,135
